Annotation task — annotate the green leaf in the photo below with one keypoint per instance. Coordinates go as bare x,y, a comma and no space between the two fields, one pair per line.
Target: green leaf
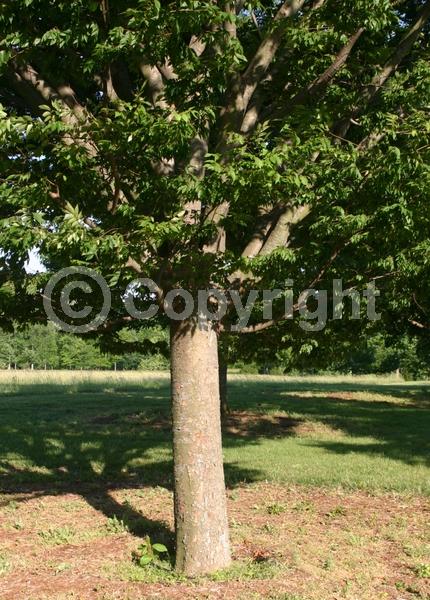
145,560
159,547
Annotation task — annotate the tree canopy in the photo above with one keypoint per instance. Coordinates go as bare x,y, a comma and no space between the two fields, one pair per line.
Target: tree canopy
189,139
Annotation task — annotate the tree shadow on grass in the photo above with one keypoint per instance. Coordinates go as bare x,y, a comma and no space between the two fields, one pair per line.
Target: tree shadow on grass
84,442
398,418
92,439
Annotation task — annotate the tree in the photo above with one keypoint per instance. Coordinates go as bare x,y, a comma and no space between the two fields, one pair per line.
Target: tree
77,353
35,346
210,144
7,350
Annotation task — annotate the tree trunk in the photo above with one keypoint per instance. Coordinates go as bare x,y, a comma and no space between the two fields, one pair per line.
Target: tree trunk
223,387
202,538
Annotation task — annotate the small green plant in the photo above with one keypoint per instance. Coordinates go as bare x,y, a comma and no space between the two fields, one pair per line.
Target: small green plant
4,565
148,553
337,511
234,524
275,508
355,540
304,506
269,528
115,525
57,536
417,551
160,572
13,505
423,570
60,568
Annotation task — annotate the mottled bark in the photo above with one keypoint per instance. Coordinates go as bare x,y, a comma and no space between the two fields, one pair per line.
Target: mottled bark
202,539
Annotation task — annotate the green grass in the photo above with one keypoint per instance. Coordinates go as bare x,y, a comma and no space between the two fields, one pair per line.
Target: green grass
4,565
243,570
356,433
57,536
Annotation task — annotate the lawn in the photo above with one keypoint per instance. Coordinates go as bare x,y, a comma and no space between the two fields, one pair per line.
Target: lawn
322,473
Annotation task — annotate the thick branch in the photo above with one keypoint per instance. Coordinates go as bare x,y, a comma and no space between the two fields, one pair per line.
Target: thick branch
230,26
242,90
63,93
218,244
155,82
197,45
273,231
418,324
280,235
266,222
244,86
109,88
282,229
30,97
319,85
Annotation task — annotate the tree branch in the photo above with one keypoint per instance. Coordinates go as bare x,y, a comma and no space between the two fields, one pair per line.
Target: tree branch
268,219
63,92
280,235
74,114
418,324
241,92
155,82
230,26
319,85
244,86
342,127
56,196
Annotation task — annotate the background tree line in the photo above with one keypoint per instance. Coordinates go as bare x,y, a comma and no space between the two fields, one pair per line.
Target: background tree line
43,346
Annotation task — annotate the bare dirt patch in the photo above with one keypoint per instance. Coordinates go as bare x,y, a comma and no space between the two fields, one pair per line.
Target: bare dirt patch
312,544
251,425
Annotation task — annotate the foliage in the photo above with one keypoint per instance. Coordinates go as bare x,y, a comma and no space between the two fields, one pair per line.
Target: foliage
149,552
4,565
372,352
116,526
275,508
423,570
57,536
125,128
44,347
